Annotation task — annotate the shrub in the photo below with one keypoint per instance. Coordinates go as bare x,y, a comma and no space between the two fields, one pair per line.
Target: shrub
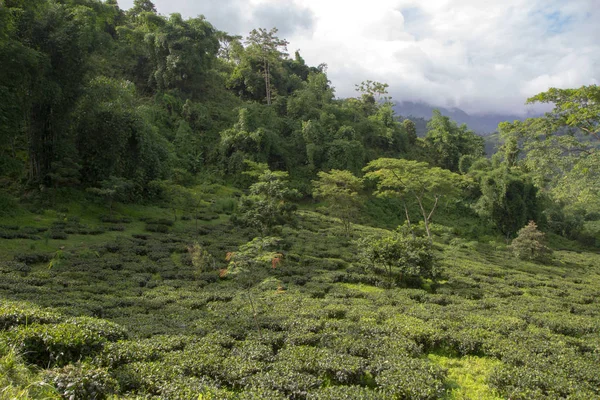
530,244
106,329
410,256
152,349
295,385
267,205
83,381
159,228
32,258
59,344
411,378
63,343
346,393
15,314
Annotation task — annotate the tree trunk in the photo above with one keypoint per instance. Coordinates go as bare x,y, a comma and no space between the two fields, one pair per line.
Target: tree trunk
408,220
427,217
254,315
267,81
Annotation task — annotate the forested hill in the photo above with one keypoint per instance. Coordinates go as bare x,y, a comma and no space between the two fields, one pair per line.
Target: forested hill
189,214
99,97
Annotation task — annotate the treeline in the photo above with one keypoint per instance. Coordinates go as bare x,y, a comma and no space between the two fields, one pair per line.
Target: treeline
119,102
92,92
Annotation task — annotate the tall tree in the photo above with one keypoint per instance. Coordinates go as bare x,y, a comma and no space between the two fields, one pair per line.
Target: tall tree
509,200
411,131
55,41
449,142
410,179
340,189
181,53
562,148
269,49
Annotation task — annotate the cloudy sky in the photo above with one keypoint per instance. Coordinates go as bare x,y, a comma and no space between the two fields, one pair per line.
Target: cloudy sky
484,56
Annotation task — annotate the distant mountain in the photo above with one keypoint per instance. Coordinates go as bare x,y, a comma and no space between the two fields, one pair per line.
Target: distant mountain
484,124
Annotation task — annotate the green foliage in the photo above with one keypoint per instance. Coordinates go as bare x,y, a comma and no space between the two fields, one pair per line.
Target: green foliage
258,253
561,148
530,244
412,378
268,203
140,107
202,260
450,142
332,330
15,314
340,189
410,179
370,89
509,200
411,131
113,137
409,256
59,344
82,380
268,49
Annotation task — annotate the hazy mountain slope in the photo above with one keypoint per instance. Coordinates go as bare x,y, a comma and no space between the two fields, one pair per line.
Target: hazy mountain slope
483,124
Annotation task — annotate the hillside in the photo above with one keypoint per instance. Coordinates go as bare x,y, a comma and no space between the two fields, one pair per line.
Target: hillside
318,325
190,214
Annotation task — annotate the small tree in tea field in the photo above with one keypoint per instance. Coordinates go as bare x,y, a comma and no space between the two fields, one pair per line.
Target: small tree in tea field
530,244
268,203
406,255
340,189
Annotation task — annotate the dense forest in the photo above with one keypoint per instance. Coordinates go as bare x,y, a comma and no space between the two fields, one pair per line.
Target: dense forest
189,214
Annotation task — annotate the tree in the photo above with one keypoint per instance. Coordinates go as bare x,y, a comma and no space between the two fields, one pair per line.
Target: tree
267,205
574,108
249,265
509,200
410,256
181,53
340,189
112,189
44,60
269,49
562,148
530,244
373,91
202,260
449,142
249,138
113,136
412,179
142,6
411,131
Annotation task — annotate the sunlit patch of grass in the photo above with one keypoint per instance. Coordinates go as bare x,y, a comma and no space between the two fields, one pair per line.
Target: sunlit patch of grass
363,288
467,376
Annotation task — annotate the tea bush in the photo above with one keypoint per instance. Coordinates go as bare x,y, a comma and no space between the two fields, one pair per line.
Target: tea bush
14,314
412,378
83,381
58,344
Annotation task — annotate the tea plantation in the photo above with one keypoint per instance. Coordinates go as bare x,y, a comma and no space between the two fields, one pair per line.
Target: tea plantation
97,306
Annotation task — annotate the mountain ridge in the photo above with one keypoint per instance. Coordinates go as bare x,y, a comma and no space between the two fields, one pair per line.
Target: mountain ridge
482,124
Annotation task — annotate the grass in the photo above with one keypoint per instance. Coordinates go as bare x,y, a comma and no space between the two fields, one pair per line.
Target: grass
467,377
17,381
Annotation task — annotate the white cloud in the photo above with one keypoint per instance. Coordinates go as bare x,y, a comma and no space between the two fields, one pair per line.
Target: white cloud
479,55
